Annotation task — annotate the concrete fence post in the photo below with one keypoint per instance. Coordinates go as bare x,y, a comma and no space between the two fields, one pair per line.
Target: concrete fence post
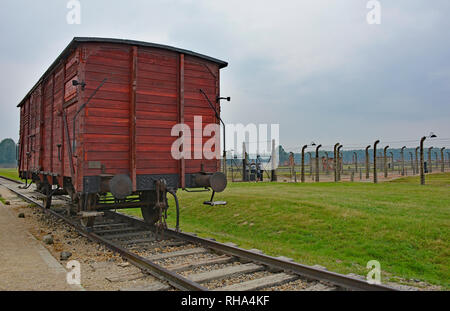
392,160
385,162
335,162
375,177
422,173
317,162
442,160
274,161
302,173
339,161
291,164
402,152
244,163
367,162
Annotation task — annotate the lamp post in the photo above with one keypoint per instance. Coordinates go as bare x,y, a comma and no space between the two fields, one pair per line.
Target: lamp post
403,160
375,177
317,162
367,162
335,161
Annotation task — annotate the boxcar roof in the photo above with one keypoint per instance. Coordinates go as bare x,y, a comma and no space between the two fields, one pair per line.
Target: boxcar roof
75,41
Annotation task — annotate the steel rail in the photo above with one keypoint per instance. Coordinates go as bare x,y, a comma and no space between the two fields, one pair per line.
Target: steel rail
157,271
308,272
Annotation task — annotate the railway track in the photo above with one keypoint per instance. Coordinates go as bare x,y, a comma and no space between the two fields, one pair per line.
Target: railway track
184,261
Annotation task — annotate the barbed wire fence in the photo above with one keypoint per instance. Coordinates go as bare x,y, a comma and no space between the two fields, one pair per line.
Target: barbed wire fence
340,162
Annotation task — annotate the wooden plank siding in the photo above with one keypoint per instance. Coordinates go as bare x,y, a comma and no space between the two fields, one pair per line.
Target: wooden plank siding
157,110
107,118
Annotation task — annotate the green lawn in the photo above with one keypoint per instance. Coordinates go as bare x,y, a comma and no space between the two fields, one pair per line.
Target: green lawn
341,226
10,173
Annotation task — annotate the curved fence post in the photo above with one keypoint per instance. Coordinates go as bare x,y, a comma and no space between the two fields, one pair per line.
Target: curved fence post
442,160
392,160
402,151
302,175
317,162
375,177
385,162
417,160
335,162
340,166
422,173
367,162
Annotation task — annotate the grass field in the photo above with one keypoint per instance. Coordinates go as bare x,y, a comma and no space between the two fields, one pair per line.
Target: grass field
341,226
10,173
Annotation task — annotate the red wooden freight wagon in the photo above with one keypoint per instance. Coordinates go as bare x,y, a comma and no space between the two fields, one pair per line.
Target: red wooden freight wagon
97,125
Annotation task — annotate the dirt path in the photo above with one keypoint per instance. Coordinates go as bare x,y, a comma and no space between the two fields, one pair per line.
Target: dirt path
24,263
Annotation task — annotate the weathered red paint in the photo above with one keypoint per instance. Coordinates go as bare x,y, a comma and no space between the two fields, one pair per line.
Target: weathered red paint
127,125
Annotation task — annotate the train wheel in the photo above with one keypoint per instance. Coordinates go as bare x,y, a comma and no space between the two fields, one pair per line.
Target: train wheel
149,213
88,204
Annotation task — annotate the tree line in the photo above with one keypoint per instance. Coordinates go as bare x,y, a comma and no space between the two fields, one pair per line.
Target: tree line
8,152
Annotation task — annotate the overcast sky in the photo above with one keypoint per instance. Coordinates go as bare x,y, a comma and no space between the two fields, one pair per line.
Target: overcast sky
315,67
